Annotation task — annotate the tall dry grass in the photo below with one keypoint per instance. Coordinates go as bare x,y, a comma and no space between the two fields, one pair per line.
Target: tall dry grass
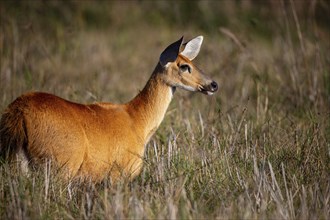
257,149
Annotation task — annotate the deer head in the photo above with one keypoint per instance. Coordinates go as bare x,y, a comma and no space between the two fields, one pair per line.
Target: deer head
179,70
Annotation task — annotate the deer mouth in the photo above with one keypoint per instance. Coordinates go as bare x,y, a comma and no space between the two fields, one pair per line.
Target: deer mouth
205,91
209,89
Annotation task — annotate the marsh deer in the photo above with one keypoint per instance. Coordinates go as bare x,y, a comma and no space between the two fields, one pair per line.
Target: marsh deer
96,140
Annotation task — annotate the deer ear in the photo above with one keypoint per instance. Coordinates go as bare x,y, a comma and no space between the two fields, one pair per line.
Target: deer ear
170,53
192,48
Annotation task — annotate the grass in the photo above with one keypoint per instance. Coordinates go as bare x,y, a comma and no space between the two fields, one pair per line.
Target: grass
259,148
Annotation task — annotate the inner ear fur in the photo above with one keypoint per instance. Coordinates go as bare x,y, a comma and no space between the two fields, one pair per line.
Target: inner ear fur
192,48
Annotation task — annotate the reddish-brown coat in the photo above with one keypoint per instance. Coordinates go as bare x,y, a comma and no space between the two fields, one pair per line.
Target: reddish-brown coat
96,140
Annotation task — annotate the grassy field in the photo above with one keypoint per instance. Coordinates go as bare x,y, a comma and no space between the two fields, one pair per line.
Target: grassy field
257,149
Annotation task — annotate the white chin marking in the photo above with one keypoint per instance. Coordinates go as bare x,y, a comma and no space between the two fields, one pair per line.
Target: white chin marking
188,88
209,93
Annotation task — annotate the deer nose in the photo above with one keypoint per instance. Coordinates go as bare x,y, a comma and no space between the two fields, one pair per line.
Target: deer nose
214,86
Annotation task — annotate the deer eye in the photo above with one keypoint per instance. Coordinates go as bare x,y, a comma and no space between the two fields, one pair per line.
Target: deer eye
185,68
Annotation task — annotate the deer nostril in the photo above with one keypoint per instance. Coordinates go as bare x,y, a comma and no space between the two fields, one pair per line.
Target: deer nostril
214,86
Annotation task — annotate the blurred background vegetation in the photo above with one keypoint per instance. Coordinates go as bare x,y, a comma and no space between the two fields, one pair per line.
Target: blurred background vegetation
38,37
268,122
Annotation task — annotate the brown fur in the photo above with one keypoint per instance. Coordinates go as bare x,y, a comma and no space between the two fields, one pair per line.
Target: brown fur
96,140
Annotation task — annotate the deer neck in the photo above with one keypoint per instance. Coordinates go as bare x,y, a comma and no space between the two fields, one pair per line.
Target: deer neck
148,108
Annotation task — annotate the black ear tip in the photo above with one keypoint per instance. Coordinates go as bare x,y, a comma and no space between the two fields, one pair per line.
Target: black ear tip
171,52
182,39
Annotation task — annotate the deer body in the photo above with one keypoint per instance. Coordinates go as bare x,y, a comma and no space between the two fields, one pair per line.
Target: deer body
92,141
